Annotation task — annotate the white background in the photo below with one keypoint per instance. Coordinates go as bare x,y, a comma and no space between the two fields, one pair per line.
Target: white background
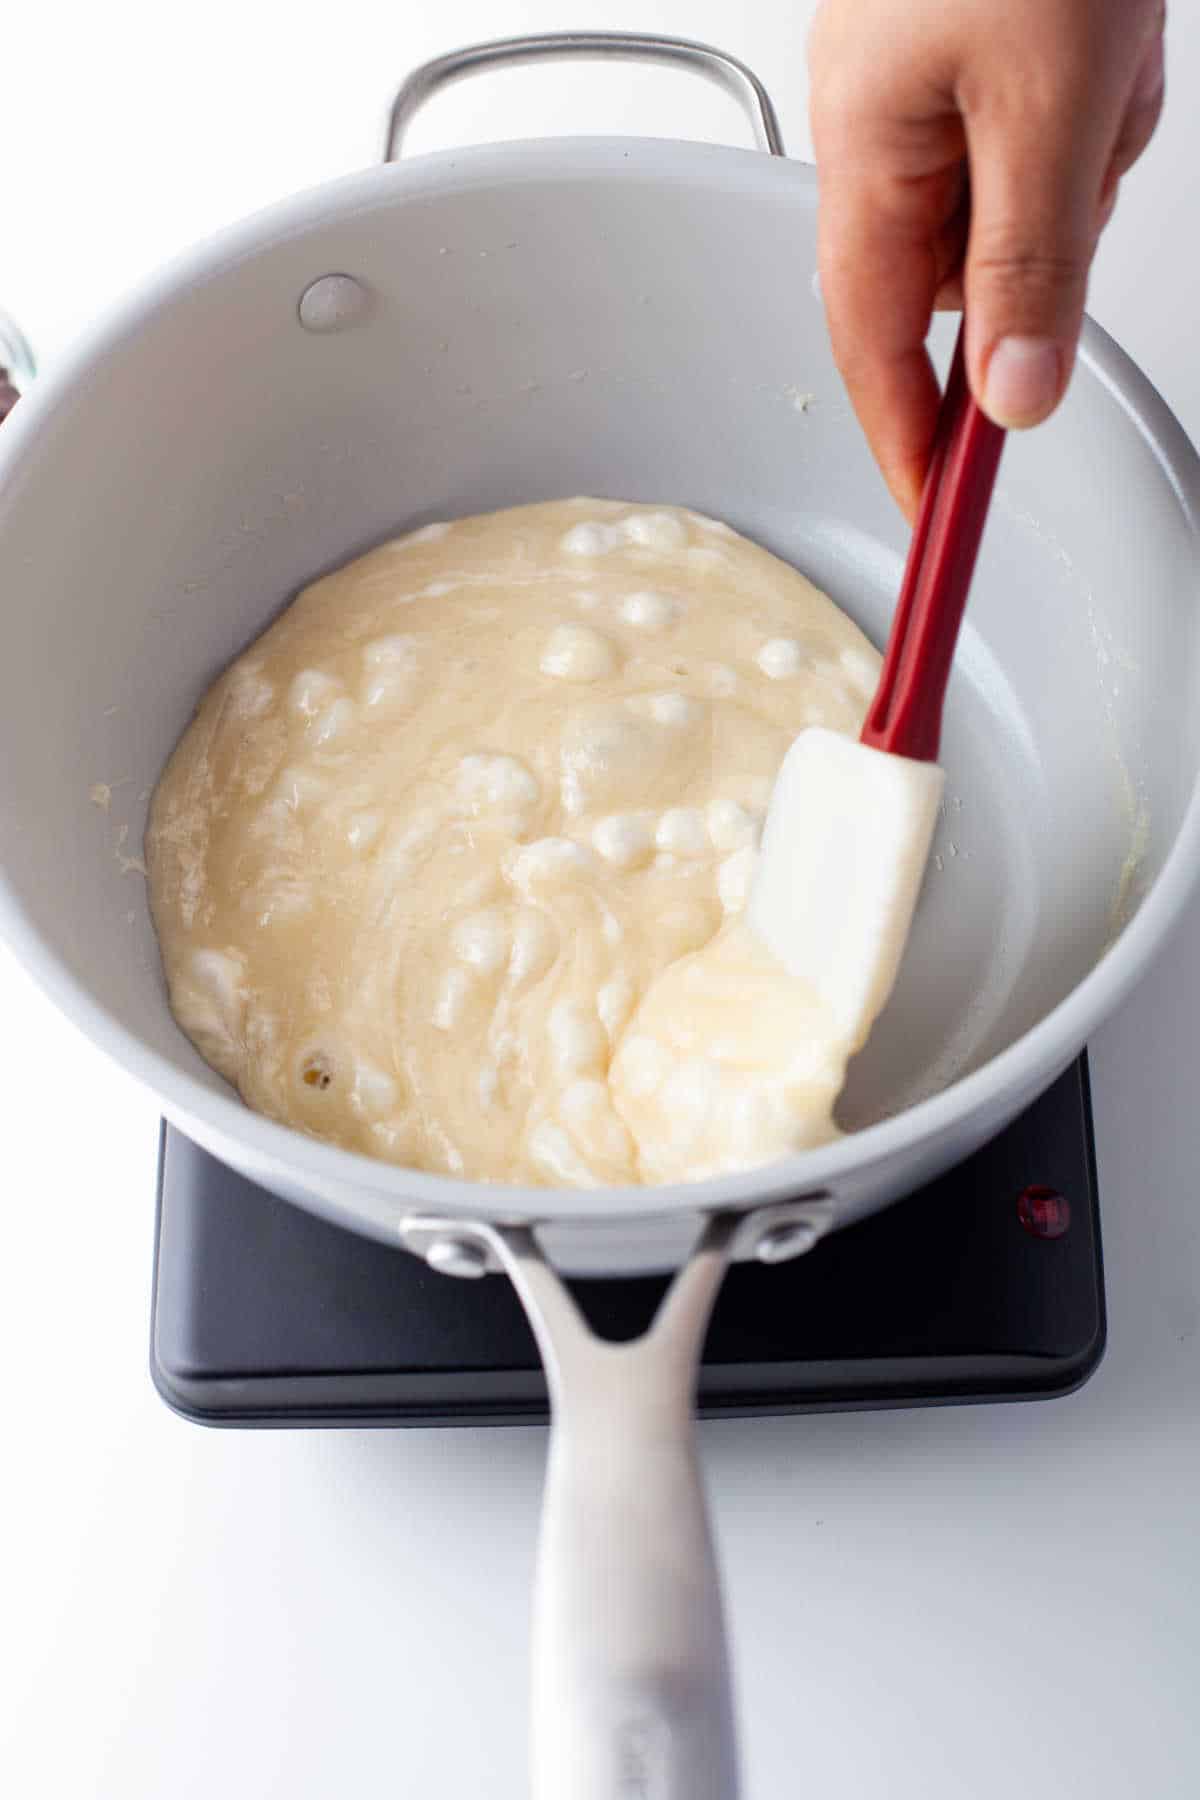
981,1602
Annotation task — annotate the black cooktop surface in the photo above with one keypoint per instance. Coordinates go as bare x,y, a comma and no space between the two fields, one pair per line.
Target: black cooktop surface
986,1285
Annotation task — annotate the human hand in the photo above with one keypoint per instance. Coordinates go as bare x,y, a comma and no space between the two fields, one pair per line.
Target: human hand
969,149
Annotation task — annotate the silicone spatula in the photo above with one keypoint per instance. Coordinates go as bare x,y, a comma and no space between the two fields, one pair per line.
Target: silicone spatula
849,825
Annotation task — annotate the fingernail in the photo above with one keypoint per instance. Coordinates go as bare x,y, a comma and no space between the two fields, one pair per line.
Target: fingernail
1021,385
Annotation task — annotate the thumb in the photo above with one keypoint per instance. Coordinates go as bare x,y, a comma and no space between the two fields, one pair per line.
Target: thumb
1034,218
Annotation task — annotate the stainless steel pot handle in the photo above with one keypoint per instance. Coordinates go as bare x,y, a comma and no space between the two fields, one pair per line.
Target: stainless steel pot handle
631,1689
715,65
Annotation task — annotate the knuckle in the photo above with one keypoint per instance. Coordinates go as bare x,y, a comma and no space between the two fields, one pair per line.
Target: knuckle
1029,269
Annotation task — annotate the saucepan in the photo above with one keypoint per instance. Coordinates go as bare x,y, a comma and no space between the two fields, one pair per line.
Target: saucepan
634,319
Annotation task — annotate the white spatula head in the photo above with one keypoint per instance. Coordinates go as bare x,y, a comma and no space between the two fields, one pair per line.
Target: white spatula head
844,851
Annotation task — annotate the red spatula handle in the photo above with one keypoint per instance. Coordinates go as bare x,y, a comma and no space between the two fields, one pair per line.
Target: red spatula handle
906,714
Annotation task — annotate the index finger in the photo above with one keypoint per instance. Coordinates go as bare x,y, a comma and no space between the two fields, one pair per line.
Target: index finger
879,283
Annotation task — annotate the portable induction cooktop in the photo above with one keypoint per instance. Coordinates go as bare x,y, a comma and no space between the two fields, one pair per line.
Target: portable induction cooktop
987,1285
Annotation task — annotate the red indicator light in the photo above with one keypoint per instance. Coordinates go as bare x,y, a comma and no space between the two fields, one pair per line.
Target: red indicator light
1044,1212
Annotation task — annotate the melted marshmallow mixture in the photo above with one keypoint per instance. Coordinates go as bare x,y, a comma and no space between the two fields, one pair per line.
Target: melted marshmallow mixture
448,867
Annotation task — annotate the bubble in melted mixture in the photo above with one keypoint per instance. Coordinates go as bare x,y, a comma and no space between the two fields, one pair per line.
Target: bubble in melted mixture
577,653
780,658
577,1037
649,611
550,863
311,691
682,831
590,539
676,710
495,783
399,650
534,946
663,532
374,1092
482,941
730,826
336,721
452,997
625,839
363,829
734,878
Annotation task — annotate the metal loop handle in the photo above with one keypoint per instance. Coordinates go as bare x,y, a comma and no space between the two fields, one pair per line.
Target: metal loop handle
702,59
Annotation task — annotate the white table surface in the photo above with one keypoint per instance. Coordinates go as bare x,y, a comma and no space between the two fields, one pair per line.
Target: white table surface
980,1602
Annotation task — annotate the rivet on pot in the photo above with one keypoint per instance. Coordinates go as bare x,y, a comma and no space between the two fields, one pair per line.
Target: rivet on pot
779,1243
333,303
457,1256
